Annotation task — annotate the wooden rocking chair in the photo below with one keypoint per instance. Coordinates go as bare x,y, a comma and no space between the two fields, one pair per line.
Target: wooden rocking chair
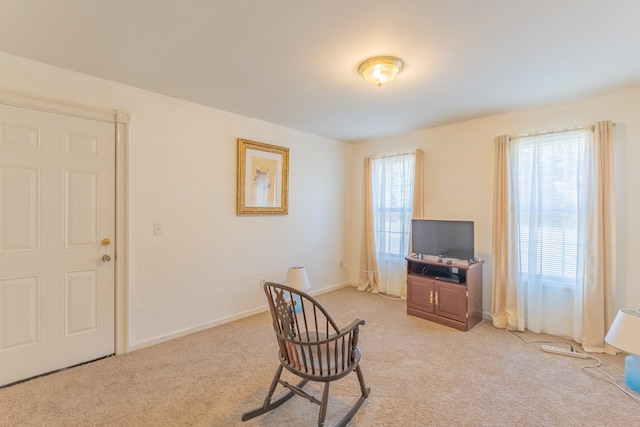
312,347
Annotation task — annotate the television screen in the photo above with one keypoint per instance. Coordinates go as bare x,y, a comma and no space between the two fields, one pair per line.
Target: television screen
449,239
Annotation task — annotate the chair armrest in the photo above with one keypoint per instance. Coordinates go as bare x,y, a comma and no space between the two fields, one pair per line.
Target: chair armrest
352,326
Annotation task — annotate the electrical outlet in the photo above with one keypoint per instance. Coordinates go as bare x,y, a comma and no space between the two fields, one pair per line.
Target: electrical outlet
157,229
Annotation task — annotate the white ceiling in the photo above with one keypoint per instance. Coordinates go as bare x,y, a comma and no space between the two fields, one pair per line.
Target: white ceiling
294,62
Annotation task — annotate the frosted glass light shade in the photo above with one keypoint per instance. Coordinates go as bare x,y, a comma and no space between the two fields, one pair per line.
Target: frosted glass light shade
381,69
297,278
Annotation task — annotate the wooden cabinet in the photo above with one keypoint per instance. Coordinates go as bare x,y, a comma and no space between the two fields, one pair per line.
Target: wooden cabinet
430,296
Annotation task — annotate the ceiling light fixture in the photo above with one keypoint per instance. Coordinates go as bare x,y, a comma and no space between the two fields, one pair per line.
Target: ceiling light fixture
380,70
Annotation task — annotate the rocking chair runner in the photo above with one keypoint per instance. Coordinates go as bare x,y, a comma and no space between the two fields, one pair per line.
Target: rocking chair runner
312,347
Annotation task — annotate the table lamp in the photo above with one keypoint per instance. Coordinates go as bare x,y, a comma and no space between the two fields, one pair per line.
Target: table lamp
624,334
297,278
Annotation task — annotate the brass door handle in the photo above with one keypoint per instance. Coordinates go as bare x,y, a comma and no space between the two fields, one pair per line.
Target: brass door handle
430,297
436,298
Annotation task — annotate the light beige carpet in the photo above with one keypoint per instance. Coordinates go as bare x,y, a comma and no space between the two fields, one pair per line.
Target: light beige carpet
420,374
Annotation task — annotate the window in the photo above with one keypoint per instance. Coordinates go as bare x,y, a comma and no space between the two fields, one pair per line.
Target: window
550,186
388,209
554,233
392,188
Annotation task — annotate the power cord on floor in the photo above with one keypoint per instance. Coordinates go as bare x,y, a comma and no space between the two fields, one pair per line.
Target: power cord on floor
541,341
595,370
598,372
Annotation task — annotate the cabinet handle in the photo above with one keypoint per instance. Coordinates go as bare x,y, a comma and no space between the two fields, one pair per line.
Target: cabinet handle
430,297
436,298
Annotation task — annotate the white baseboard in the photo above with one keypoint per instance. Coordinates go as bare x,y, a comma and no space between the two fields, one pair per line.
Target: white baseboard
198,328
223,320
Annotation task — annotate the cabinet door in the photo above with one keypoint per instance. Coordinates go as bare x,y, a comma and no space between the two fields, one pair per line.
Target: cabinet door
451,301
420,294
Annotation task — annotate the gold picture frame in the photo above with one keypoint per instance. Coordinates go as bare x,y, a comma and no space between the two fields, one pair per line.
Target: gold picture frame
263,178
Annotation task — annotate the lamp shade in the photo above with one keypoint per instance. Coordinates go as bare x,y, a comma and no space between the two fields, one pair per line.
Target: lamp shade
625,331
381,69
297,278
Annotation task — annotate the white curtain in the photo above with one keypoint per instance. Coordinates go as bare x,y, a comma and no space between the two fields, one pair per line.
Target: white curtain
550,221
598,311
418,198
554,234
506,306
368,262
389,198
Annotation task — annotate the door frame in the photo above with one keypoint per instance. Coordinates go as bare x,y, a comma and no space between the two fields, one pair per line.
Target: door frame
120,120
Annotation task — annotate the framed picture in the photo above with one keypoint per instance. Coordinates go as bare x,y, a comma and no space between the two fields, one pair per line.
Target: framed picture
263,178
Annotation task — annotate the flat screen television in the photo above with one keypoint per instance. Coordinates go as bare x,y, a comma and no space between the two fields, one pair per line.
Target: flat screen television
449,239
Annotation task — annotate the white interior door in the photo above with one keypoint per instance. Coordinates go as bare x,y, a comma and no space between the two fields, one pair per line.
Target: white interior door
57,204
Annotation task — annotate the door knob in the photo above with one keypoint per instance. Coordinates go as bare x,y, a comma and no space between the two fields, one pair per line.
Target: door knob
106,241
106,258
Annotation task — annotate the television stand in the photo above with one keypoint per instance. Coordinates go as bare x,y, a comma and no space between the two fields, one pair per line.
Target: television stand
445,293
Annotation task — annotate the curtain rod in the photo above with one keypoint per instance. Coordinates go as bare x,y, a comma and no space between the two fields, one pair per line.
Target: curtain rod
392,155
548,132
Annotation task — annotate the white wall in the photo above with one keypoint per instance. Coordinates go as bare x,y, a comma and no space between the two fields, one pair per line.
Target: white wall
459,175
206,267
